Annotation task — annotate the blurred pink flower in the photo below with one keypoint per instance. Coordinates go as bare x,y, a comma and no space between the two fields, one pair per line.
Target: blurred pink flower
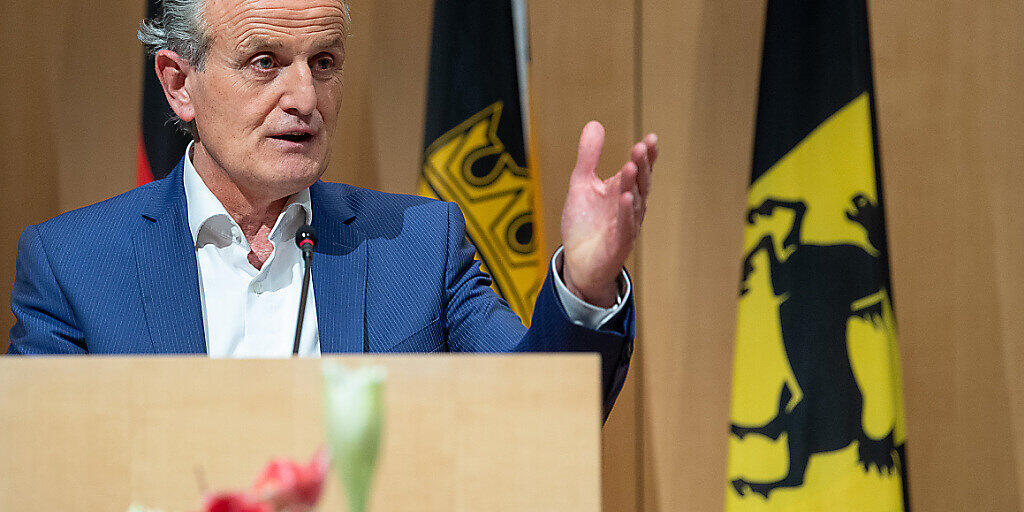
283,486
290,487
234,502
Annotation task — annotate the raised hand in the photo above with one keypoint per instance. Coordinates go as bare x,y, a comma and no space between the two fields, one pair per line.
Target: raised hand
601,219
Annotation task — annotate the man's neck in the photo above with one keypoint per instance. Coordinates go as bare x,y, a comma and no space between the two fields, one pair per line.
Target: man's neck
254,213
249,208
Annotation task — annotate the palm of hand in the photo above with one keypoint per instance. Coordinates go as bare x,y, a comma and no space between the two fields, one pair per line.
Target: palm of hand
601,219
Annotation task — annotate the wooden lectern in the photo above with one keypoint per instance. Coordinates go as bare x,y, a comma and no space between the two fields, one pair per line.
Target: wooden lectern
462,433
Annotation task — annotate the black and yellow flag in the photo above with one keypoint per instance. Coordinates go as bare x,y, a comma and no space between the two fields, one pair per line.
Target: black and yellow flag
817,412
476,151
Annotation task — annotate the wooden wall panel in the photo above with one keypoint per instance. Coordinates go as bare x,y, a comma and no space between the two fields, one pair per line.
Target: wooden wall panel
583,69
1005,187
949,105
699,85
380,136
96,88
28,166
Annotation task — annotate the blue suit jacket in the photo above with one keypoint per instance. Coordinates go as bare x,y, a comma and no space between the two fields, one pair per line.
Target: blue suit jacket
391,273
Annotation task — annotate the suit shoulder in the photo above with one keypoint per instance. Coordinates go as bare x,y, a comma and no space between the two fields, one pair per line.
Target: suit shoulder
362,199
380,213
376,207
102,219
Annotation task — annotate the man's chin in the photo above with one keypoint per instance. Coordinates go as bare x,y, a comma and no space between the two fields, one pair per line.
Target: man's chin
289,175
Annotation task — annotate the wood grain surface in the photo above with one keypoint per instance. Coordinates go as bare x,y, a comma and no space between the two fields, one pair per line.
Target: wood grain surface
462,433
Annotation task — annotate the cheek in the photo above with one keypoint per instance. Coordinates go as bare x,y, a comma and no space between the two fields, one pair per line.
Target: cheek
329,101
251,103
237,102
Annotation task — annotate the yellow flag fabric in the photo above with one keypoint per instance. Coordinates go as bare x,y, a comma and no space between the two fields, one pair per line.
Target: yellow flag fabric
498,204
817,413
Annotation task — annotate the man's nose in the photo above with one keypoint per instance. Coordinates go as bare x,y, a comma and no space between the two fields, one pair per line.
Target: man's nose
299,95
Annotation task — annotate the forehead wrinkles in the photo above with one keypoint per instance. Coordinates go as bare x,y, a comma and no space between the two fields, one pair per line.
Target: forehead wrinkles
242,20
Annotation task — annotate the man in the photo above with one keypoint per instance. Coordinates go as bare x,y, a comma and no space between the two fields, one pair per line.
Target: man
203,261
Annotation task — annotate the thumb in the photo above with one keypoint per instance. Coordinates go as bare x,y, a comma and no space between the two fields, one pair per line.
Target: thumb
591,142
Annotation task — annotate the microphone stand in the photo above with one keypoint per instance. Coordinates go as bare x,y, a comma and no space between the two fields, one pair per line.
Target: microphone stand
305,238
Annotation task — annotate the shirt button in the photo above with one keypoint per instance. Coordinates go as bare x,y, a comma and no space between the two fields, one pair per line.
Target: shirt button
257,287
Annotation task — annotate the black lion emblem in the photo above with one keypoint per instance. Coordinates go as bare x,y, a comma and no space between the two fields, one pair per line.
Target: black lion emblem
820,284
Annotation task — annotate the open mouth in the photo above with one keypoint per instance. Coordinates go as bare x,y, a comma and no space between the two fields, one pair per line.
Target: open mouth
293,136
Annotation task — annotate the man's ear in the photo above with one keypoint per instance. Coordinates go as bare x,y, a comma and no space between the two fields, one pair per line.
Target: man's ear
172,70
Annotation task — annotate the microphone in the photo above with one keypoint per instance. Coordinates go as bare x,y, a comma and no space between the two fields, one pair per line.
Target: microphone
305,238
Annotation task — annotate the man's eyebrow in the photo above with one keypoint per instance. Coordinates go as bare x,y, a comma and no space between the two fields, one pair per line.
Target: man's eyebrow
254,43
335,41
259,43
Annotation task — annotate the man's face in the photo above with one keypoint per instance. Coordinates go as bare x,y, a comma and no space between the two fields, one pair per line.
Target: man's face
267,99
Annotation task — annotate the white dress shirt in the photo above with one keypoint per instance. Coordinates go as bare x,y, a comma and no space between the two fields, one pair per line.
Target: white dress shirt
250,312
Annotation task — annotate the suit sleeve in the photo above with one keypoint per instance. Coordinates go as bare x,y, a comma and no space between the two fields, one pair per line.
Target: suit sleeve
477,319
45,322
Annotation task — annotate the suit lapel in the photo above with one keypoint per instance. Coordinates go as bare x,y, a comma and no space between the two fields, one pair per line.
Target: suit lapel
168,272
339,273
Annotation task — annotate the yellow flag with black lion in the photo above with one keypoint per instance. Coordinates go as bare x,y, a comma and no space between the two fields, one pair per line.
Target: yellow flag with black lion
817,412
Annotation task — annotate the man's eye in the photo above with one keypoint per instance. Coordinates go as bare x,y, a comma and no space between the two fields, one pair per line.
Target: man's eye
324,63
264,62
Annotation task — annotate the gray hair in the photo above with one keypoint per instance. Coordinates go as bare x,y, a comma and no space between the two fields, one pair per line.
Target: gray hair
180,29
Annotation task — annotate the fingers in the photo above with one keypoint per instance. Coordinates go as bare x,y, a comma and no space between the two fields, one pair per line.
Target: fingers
614,184
643,155
627,218
651,140
629,177
638,157
591,142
